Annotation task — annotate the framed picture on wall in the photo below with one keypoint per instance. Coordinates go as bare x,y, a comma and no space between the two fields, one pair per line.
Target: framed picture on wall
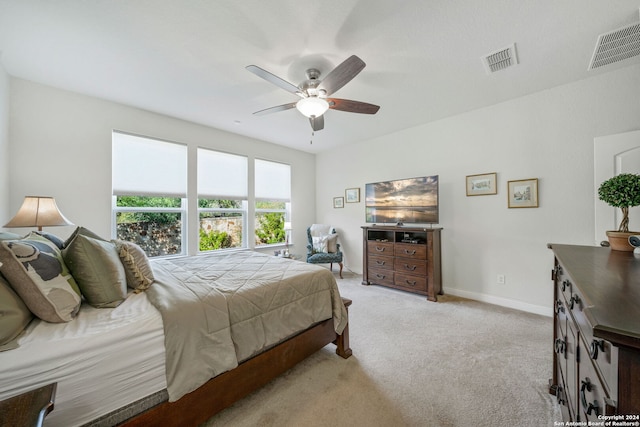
352,195
523,193
482,184
338,202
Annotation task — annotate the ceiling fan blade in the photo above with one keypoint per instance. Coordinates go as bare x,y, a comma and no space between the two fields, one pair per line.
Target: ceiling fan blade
275,109
273,79
341,75
317,123
352,106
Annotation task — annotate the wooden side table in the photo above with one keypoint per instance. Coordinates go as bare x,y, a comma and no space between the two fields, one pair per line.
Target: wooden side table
28,409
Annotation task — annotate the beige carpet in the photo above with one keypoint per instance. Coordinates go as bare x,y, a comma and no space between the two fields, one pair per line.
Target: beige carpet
415,363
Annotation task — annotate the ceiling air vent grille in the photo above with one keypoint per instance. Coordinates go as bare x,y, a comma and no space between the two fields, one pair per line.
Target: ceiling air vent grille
500,59
616,46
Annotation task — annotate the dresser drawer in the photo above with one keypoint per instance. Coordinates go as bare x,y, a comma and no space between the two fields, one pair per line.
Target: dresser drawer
380,276
377,261
410,266
599,351
592,393
379,248
410,250
416,283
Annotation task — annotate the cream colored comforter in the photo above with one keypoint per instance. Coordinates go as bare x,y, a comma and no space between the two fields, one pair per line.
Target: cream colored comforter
219,310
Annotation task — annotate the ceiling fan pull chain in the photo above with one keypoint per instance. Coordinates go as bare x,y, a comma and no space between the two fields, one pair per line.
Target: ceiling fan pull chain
312,135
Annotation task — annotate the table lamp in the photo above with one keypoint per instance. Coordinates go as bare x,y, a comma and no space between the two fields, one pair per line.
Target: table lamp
37,211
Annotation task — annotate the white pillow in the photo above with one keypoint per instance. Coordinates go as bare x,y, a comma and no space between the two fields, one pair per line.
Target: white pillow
332,243
325,244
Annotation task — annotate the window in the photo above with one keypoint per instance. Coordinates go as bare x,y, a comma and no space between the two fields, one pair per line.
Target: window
222,200
272,201
149,181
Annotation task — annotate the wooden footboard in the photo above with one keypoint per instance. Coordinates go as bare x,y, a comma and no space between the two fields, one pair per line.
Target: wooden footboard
224,390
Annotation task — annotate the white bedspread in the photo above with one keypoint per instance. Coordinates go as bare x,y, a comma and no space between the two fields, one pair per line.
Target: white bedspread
121,349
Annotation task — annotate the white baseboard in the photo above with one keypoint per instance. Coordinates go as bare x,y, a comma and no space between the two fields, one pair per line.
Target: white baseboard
504,302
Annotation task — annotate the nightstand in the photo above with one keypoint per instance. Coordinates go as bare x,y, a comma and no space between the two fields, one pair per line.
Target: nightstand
28,409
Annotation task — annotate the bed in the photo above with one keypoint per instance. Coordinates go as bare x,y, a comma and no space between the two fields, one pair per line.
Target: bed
234,321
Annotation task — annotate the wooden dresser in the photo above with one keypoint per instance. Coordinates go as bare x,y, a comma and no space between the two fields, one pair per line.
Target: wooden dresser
406,258
596,359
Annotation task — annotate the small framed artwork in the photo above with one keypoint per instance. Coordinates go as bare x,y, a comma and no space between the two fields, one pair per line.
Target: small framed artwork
338,202
352,195
482,184
523,193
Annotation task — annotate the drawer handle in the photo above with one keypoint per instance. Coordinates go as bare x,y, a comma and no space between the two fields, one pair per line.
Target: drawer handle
410,267
380,276
594,347
379,249
380,262
560,345
560,395
575,299
565,285
410,282
591,406
559,306
408,252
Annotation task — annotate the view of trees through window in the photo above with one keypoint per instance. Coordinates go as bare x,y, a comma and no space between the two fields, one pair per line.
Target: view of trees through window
221,224
143,222
155,223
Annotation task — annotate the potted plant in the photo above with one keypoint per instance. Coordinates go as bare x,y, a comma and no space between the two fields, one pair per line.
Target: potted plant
622,191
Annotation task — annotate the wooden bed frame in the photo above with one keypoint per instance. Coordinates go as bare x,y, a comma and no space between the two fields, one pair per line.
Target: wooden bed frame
224,390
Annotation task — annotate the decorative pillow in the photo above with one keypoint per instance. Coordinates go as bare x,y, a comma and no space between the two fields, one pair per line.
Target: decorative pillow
332,243
325,244
55,239
5,235
136,265
14,316
36,271
97,269
84,232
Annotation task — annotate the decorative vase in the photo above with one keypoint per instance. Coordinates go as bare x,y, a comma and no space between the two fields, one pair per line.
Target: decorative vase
619,240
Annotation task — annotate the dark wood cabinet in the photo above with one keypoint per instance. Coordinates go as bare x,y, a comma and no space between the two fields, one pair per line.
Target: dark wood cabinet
406,258
596,348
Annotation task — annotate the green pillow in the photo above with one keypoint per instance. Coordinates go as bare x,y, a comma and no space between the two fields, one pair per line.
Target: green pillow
34,268
14,316
97,268
81,231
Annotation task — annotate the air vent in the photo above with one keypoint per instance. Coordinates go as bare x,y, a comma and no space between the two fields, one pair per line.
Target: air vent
616,46
500,59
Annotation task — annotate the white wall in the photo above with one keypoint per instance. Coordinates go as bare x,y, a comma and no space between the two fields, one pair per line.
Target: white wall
61,147
547,135
4,144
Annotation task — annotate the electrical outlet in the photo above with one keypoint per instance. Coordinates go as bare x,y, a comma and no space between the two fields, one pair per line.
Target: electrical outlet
501,279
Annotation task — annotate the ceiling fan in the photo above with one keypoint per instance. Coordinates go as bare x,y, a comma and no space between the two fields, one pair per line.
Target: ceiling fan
314,92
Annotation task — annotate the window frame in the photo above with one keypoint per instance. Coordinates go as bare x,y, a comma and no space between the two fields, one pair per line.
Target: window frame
245,213
182,210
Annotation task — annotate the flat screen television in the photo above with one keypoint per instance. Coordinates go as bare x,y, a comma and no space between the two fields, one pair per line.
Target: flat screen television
403,201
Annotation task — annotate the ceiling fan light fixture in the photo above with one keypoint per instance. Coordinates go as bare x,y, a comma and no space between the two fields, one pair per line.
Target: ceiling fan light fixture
312,106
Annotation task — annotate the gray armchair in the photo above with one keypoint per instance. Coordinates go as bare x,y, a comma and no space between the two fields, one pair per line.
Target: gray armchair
320,257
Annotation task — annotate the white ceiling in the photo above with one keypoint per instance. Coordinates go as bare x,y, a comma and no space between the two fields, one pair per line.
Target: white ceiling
187,58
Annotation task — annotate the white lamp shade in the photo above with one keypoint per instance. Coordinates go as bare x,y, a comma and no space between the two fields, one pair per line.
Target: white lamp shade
312,106
38,212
